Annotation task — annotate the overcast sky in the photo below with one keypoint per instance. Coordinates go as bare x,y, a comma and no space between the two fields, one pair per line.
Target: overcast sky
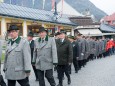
107,6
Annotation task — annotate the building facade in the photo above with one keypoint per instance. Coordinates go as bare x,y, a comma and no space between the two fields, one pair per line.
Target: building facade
28,19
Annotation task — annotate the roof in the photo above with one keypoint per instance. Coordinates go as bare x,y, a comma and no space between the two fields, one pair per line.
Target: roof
107,28
89,31
82,21
110,17
32,14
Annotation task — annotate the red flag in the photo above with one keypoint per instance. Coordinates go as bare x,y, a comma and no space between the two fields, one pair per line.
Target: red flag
53,4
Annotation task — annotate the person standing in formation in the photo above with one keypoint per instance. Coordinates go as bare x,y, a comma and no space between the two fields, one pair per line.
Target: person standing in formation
31,42
2,82
65,55
17,64
44,57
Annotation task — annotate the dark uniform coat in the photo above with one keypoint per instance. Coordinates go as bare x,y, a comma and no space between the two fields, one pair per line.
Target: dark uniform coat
32,49
64,52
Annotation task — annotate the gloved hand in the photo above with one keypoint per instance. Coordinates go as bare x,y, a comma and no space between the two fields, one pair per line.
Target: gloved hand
77,58
82,54
69,64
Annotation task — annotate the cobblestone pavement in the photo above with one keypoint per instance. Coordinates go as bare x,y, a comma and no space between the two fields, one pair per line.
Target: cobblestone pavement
100,72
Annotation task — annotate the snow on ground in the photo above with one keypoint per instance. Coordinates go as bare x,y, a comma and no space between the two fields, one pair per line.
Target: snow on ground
100,72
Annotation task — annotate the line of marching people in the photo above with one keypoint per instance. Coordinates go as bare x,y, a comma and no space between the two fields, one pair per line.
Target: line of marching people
90,48
84,49
46,52
87,49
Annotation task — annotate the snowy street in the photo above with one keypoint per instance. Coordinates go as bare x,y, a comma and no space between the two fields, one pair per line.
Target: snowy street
100,72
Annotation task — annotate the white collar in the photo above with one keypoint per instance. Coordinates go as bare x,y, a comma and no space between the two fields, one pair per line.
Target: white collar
15,39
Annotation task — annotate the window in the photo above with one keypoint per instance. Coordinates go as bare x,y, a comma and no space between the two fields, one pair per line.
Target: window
34,29
113,22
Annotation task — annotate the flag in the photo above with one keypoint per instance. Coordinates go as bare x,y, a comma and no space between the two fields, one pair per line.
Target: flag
53,4
44,4
62,7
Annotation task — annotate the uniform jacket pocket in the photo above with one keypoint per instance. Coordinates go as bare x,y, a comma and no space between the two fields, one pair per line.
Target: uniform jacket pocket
19,69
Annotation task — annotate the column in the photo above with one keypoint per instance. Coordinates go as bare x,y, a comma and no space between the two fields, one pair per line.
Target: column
72,31
3,27
24,28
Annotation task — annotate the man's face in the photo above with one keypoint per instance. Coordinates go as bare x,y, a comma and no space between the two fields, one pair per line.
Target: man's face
29,38
71,40
42,34
78,37
62,36
13,33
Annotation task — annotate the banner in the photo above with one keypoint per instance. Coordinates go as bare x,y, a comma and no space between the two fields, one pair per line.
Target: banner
53,4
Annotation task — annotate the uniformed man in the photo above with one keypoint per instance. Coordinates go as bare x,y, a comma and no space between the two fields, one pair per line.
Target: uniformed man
81,50
104,48
2,83
65,55
101,44
45,55
92,48
17,64
75,51
87,49
31,42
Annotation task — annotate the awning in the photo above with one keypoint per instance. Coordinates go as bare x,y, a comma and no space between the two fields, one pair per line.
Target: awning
107,28
89,31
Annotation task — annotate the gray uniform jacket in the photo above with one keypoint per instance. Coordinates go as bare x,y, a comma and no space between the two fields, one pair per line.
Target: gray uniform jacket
0,55
92,47
81,49
45,54
87,48
17,60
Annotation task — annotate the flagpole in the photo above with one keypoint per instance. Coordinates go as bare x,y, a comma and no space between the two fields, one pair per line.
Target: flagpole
10,2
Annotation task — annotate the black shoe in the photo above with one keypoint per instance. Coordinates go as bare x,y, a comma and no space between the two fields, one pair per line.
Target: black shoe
69,82
59,85
63,78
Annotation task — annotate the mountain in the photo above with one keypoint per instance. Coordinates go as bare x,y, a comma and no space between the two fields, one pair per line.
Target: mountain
79,5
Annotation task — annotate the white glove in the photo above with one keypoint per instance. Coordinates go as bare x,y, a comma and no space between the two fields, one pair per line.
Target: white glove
82,54
77,57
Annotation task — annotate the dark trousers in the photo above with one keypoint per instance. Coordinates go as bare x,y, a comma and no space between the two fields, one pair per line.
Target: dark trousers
104,54
61,70
22,82
48,74
100,56
2,83
69,69
80,63
76,66
35,71
91,56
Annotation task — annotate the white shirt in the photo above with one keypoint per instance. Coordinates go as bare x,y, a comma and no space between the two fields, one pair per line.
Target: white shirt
15,39
62,40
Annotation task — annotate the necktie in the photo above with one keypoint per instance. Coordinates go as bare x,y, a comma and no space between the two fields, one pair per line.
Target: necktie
42,40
